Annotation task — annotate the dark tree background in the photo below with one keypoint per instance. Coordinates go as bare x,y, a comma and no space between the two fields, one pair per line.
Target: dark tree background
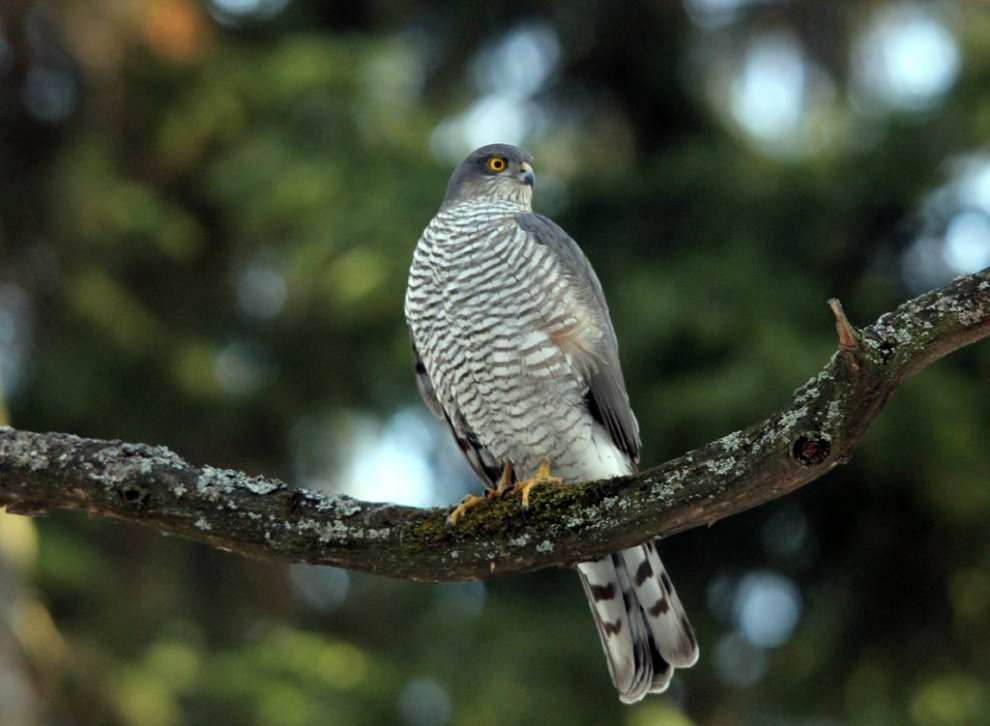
206,218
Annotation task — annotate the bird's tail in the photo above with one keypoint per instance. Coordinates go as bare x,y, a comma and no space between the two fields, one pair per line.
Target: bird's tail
640,620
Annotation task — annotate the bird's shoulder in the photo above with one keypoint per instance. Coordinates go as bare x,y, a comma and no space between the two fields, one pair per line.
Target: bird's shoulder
544,231
607,400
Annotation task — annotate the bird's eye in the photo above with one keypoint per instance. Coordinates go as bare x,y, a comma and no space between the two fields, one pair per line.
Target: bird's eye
496,163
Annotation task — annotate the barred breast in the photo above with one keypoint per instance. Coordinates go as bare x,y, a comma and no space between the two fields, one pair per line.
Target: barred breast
503,337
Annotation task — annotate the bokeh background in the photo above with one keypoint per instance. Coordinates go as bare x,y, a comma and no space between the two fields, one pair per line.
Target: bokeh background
206,217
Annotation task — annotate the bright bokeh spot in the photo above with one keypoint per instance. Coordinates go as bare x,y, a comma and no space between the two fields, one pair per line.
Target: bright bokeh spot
767,608
235,12
955,238
974,183
493,118
907,58
967,242
390,462
771,91
767,95
520,65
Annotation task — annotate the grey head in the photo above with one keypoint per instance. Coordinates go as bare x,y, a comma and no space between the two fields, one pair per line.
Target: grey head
491,173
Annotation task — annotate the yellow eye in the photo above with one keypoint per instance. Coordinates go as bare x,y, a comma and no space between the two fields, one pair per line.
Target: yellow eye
496,163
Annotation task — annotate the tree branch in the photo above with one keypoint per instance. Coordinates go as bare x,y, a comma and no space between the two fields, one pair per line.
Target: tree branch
266,518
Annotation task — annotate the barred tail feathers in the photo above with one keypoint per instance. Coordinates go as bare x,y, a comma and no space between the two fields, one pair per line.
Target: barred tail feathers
620,626
661,607
657,676
641,622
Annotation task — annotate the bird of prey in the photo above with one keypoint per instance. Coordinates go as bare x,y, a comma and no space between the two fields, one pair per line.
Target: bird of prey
514,348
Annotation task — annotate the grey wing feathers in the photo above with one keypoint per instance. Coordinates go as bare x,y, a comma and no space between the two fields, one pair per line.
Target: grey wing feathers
425,385
485,465
480,458
607,399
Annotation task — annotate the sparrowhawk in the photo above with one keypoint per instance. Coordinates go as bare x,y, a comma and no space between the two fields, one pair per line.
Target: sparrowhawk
514,348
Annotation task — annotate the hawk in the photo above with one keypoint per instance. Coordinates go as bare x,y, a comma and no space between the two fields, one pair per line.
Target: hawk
515,350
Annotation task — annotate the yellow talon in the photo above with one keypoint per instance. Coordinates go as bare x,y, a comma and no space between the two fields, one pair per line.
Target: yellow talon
542,476
505,485
469,500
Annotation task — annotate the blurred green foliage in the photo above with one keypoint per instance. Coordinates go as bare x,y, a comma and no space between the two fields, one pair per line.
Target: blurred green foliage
206,219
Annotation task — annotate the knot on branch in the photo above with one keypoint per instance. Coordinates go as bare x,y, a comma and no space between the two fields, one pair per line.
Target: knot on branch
811,449
133,493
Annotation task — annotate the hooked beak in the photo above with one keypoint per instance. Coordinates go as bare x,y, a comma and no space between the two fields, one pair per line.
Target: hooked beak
526,174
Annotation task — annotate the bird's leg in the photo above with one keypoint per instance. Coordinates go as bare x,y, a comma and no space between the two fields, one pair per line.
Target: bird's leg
504,482
542,476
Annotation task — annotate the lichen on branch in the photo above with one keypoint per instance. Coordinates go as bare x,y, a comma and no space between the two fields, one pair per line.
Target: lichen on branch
268,519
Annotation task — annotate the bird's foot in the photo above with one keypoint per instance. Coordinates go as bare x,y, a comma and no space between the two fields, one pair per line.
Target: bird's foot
469,500
506,486
542,476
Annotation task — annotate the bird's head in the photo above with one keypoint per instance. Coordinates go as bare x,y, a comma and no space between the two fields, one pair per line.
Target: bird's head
491,173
